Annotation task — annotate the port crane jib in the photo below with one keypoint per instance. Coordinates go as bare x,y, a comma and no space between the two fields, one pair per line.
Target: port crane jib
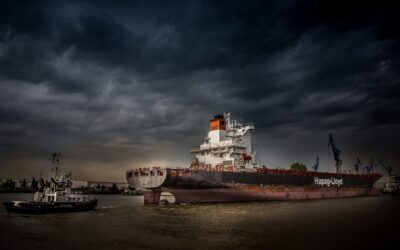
336,153
316,165
357,165
388,168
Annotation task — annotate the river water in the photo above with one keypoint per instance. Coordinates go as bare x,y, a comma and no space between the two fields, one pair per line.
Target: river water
123,222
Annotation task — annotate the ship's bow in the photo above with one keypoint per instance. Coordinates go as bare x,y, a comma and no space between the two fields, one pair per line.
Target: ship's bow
148,178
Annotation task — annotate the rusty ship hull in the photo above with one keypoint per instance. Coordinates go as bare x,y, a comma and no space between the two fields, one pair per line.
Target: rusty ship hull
210,186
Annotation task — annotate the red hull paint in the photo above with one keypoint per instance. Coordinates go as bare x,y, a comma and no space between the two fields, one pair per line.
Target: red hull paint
251,193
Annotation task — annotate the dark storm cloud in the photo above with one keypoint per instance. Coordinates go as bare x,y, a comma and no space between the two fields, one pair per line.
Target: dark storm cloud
137,81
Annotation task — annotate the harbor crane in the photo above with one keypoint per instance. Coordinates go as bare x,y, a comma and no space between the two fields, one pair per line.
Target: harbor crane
357,165
372,166
336,153
393,185
388,168
316,165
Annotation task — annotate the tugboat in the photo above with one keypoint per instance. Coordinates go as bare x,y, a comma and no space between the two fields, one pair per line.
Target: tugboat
54,198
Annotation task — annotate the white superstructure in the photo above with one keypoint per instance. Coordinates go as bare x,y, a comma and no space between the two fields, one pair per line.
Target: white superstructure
60,187
226,147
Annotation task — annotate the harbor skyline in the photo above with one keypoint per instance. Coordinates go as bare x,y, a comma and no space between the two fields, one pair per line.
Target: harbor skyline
113,86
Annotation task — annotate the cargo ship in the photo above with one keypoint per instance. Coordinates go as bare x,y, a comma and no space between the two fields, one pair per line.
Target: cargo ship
225,170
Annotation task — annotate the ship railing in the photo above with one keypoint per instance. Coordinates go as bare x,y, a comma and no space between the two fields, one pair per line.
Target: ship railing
251,125
154,171
312,173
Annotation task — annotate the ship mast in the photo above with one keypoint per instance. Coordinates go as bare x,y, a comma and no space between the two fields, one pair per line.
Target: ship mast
56,162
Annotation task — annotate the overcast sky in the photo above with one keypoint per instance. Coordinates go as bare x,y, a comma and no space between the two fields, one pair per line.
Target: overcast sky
118,84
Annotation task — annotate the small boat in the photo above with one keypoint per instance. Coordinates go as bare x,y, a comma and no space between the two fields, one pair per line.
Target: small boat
56,197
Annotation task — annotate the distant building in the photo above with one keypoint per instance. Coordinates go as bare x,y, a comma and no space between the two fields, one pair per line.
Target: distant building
79,184
18,183
107,184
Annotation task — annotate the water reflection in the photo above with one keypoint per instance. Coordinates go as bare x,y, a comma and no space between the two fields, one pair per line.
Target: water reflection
122,222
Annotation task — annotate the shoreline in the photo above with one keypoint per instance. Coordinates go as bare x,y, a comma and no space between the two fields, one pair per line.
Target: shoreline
93,192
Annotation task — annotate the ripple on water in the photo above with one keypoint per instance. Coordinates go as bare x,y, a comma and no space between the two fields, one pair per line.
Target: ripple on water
125,223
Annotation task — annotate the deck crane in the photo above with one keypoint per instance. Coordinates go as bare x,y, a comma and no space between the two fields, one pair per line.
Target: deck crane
316,165
336,153
357,165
